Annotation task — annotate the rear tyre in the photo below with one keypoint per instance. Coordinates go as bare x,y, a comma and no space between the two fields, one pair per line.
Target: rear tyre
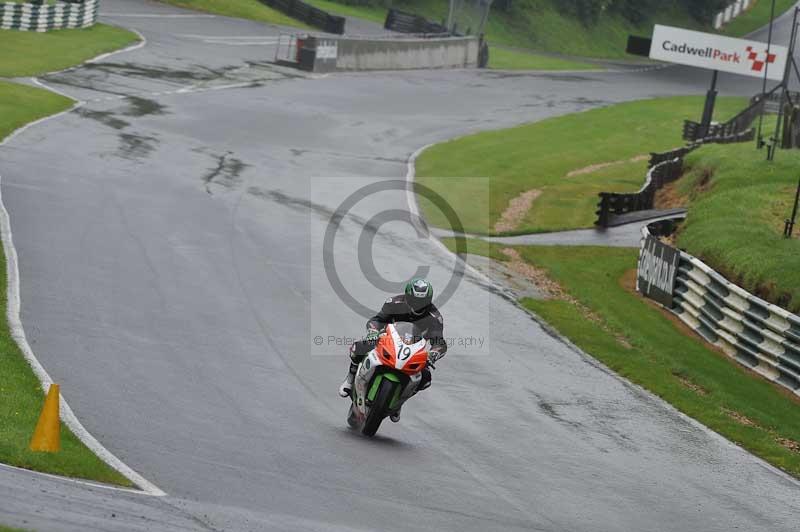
379,409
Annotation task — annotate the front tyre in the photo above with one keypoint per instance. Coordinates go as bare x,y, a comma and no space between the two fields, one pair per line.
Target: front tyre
352,419
379,409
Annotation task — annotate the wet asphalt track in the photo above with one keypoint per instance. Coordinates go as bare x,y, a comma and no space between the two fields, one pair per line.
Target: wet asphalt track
169,235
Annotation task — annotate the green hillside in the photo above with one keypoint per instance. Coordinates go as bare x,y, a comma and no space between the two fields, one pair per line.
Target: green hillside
588,28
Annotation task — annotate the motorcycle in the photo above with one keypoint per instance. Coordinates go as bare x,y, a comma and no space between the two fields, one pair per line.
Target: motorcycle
388,376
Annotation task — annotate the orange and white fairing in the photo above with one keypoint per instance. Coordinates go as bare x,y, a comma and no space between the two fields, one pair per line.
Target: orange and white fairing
402,353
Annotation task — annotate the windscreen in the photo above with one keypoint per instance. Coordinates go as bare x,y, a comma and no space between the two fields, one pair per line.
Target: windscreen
409,333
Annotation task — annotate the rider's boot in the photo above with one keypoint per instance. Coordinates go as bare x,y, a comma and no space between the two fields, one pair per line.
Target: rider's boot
426,380
424,384
347,386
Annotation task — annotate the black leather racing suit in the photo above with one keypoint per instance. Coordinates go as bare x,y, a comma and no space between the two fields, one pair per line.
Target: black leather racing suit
396,309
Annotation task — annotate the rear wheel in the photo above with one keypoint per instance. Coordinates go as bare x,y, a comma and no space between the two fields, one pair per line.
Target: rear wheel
379,408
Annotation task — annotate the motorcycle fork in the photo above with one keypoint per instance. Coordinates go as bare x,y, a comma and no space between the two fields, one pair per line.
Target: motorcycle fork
398,388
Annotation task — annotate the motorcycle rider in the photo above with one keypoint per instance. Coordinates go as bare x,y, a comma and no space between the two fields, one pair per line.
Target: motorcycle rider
415,305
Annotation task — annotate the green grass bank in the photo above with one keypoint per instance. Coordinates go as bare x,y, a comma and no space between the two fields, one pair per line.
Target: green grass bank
606,319
20,104
501,58
249,9
9,529
567,160
536,25
28,53
541,25
737,204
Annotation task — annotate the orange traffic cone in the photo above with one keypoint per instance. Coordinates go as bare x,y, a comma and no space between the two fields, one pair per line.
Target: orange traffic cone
47,436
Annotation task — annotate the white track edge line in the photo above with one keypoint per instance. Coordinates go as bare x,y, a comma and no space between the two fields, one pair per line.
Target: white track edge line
413,208
142,42
87,483
155,15
18,332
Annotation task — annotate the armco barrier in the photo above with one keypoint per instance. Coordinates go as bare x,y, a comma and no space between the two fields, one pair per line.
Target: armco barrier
327,54
772,100
45,17
664,168
737,129
658,158
757,334
309,14
403,22
717,133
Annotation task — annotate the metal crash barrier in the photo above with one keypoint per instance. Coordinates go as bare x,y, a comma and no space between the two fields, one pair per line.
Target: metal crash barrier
309,14
759,335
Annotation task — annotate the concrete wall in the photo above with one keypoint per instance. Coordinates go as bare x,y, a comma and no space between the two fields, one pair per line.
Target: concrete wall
396,54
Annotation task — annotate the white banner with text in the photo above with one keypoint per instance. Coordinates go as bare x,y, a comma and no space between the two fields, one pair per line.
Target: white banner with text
714,52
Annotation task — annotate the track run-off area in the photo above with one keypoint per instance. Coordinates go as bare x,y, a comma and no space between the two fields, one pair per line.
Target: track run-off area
169,237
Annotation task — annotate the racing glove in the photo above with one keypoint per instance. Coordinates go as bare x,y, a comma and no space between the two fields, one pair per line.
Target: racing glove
433,358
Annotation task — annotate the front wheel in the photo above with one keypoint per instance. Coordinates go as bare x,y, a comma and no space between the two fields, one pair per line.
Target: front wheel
352,419
379,409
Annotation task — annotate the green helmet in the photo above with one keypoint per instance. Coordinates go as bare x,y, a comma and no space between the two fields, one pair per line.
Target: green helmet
419,295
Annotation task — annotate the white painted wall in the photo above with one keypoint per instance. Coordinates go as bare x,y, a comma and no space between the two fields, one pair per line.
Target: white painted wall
731,12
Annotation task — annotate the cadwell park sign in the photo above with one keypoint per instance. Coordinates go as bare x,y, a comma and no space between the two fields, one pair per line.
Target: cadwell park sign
658,265
714,52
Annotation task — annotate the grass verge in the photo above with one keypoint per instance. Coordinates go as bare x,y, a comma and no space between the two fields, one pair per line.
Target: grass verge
737,206
28,53
21,396
541,156
9,529
248,9
375,14
20,104
633,338
515,59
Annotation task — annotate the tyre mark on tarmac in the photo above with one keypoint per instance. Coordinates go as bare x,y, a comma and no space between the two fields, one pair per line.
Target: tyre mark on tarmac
227,173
